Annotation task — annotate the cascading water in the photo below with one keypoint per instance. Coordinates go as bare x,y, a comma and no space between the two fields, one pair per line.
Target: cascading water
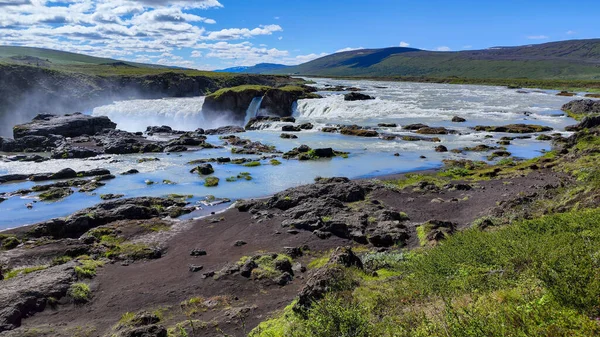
253,109
136,115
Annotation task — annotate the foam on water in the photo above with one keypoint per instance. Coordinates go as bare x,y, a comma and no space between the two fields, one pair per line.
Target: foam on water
401,103
136,115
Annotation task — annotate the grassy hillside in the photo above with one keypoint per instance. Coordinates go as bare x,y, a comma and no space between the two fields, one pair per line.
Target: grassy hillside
568,60
89,65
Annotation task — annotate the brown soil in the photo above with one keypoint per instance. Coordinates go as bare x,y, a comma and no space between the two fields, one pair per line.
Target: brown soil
166,282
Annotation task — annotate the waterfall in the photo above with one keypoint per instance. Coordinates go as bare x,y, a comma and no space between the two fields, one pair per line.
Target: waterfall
253,109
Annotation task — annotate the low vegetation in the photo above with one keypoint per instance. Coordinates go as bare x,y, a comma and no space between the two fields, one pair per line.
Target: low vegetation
80,293
539,277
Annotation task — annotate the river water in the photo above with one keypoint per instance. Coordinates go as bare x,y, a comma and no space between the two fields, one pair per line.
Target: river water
401,103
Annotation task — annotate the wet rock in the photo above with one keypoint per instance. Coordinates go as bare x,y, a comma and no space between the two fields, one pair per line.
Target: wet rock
414,127
290,128
130,172
93,172
225,130
176,148
111,196
457,119
441,148
13,177
514,128
73,152
306,126
324,153
54,194
159,129
204,169
356,96
387,125
74,125
329,129
288,136
62,174
566,94
355,130
434,131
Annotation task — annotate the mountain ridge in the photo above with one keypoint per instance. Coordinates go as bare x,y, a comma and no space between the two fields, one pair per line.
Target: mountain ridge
571,59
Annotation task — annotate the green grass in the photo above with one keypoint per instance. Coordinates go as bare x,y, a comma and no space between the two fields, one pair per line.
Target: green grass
80,293
252,164
534,278
87,268
259,89
23,271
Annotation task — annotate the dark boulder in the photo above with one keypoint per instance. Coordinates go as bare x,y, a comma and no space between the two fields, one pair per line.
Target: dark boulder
514,128
457,119
324,152
441,148
288,136
225,130
159,129
290,128
356,96
74,125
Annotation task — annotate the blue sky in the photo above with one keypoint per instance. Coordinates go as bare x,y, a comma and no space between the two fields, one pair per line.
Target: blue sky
211,34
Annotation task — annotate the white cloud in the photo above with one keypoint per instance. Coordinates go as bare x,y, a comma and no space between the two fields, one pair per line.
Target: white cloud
571,32
404,44
468,47
138,30
443,48
309,57
538,37
348,49
276,18
239,33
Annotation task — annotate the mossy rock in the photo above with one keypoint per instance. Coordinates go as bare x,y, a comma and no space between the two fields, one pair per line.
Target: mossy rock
211,182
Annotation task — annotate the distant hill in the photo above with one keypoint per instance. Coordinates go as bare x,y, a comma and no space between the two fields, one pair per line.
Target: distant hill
574,59
41,56
260,68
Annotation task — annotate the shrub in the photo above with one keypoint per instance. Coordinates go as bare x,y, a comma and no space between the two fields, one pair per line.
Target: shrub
80,292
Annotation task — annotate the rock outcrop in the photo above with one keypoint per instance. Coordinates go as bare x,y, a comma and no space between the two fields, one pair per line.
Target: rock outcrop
22,296
74,125
582,107
235,101
114,210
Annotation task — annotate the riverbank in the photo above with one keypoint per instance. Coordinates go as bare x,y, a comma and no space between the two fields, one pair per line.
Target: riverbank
513,83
